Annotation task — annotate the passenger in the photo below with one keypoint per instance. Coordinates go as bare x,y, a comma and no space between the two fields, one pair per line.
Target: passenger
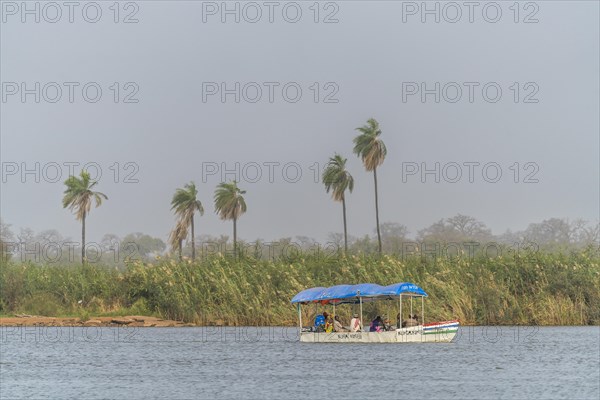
387,324
416,319
329,324
355,324
337,325
376,325
412,320
398,321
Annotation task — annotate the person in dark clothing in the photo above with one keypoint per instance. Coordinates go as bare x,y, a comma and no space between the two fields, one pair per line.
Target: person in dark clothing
376,325
413,320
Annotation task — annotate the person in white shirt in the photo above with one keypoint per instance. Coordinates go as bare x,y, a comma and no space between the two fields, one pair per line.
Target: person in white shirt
355,324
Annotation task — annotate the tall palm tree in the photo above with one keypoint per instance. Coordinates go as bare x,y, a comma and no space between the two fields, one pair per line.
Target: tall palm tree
338,179
78,198
230,204
185,204
177,236
371,149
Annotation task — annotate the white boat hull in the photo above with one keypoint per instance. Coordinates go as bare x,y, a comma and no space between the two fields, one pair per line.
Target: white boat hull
441,332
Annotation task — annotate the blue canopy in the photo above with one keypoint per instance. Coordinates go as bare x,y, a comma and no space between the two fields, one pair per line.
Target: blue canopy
352,293
308,295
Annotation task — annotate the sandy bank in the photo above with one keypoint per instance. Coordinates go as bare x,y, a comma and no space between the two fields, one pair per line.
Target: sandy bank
130,320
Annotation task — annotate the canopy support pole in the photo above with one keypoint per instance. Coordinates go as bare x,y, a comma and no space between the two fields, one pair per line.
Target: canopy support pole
333,316
389,314
411,312
300,318
361,315
423,310
400,301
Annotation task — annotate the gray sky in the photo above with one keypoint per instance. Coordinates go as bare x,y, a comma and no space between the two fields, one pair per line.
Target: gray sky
366,61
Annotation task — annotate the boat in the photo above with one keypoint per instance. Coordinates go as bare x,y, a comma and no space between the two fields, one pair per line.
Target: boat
434,332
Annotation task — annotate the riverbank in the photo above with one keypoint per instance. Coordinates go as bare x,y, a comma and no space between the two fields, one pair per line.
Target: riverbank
126,321
130,321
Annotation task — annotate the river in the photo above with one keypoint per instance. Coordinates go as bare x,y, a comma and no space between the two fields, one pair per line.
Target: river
270,363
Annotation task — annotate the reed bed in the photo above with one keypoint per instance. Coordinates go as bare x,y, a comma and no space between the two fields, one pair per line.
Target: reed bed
522,289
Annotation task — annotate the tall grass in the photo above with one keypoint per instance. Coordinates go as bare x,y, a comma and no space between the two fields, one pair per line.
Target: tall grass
531,288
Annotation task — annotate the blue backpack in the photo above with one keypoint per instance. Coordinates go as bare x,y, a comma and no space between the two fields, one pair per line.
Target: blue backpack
319,320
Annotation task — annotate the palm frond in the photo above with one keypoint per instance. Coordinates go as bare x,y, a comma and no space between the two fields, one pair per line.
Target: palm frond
229,202
336,178
185,203
369,146
78,195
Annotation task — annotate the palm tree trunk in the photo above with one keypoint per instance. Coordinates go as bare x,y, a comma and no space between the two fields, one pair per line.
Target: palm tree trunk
193,240
180,250
377,211
345,229
235,237
83,239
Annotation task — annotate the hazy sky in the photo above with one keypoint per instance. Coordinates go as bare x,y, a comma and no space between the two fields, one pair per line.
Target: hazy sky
374,61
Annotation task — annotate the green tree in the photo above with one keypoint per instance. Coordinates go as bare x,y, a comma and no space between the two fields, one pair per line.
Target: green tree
371,149
6,242
337,180
145,245
393,235
460,228
78,198
230,205
185,204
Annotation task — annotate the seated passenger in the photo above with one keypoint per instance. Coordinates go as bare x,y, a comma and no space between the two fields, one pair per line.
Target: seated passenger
355,324
412,320
337,325
329,324
387,324
376,325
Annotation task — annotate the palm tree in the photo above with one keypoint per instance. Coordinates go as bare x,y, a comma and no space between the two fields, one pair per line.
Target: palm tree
177,236
336,178
230,204
78,198
185,204
371,149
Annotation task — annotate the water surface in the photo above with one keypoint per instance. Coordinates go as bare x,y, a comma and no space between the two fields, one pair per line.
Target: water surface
269,363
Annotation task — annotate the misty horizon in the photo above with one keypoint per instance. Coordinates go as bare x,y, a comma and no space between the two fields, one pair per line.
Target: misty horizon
175,103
